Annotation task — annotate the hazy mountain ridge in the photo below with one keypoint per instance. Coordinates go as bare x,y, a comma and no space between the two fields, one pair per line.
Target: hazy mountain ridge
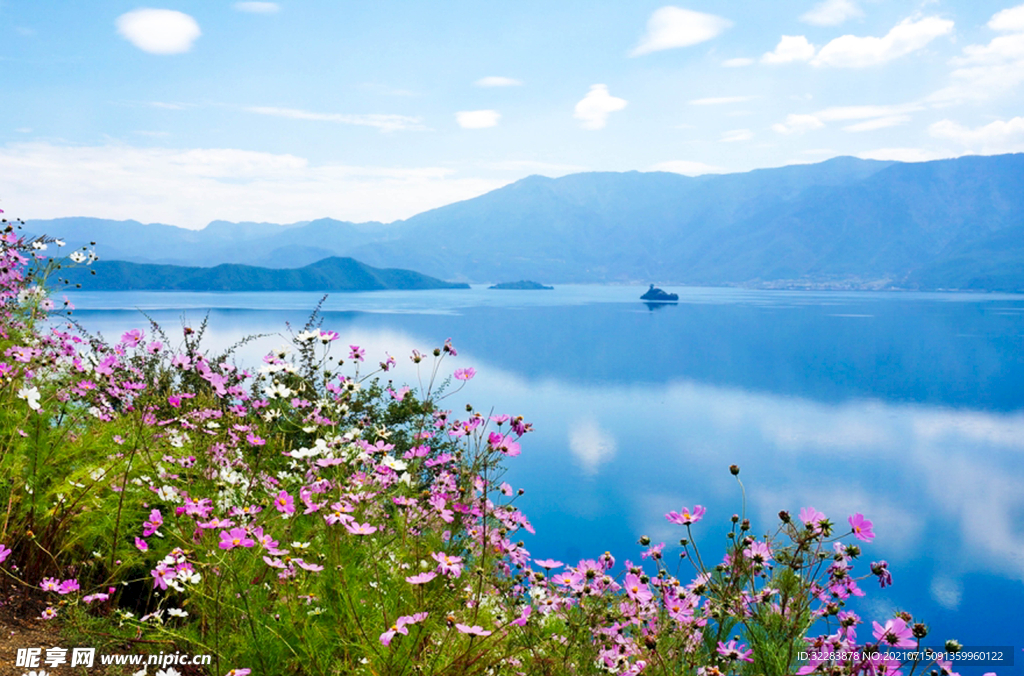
846,222
330,274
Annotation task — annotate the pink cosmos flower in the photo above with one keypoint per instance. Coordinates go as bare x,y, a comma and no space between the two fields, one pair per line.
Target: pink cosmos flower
285,503
524,617
400,627
156,520
465,374
357,353
811,517
161,575
239,672
132,338
95,597
399,395
686,517
422,578
68,586
448,565
548,564
360,528
733,652
141,545
307,566
255,440
4,553
758,552
237,537
475,630
50,584
637,590
861,528
895,632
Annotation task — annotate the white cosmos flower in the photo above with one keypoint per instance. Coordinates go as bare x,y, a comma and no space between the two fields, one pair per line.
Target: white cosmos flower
278,390
31,395
77,256
307,336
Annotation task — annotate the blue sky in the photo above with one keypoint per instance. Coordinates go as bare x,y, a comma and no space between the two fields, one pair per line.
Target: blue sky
186,112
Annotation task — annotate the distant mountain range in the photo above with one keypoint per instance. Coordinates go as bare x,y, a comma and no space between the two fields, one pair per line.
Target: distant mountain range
844,223
329,274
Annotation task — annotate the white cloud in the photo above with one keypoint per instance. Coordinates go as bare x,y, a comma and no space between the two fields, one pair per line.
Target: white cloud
591,446
865,112
497,81
688,168
477,119
594,108
159,31
191,187
790,48
850,51
987,71
24,130
737,135
738,62
671,27
258,7
1000,136
946,592
550,169
797,124
714,101
380,121
832,13
878,123
1008,20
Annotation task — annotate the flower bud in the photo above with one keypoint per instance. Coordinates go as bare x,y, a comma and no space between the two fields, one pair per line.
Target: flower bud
644,540
920,630
784,516
953,646
734,470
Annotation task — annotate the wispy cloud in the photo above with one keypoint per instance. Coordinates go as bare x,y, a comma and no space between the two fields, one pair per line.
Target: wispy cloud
382,122
905,154
672,27
987,71
591,446
477,119
790,48
832,12
738,62
258,7
159,31
719,100
593,110
797,124
878,123
1000,136
191,186
850,51
737,135
547,168
497,81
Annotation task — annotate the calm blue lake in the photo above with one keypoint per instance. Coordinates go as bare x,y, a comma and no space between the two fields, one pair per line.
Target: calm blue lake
907,407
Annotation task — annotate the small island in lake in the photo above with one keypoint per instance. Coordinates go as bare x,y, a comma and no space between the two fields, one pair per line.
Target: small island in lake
655,294
522,285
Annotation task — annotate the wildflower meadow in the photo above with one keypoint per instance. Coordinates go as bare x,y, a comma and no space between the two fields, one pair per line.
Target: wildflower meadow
310,515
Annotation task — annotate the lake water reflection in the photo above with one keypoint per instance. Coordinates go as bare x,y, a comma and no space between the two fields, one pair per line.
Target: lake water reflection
906,407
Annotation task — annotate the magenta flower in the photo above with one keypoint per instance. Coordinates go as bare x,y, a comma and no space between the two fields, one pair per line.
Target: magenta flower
475,630
132,338
686,517
524,617
68,586
95,597
548,564
161,575
50,584
239,672
733,652
881,569
254,440
141,545
237,537
422,578
356,352
465,374
759,553
400,627
811,517
360,528
861,528
153,525
448,565
285,503
895,633
637,590
4,553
